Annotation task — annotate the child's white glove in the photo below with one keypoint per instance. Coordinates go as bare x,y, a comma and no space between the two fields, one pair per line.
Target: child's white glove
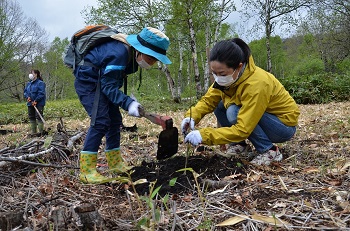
133,109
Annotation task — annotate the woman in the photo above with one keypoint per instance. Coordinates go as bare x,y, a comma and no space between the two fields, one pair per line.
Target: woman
249,103
35,93
115,59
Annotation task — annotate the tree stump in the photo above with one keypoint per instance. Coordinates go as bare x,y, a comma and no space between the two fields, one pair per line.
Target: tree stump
11,220
89,217
59,218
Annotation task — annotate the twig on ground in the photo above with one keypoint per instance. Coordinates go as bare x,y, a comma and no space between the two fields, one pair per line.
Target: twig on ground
15,160
72,140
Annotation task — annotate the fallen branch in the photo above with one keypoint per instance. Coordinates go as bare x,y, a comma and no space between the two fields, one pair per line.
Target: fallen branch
71,141
25,157
4,149
15,160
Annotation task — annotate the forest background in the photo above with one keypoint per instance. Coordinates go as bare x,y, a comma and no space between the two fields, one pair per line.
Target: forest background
304,43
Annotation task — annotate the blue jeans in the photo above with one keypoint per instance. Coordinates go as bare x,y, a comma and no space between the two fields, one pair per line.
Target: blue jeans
108,118
269,130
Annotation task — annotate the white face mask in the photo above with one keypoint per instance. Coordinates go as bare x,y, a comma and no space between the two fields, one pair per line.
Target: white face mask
31,76
225,81
143,63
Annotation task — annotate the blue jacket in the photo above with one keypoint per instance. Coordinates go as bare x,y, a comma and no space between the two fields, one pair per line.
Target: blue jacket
36,90
114,62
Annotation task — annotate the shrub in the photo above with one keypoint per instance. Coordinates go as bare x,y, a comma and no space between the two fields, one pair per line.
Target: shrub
309,67
321,88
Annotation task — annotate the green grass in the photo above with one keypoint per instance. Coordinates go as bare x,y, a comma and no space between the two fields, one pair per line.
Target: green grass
16,113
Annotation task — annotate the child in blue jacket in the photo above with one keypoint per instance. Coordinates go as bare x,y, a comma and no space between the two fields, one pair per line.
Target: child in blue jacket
35,94
114,60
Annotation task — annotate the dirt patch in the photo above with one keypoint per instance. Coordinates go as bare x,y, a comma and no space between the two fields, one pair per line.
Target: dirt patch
209,168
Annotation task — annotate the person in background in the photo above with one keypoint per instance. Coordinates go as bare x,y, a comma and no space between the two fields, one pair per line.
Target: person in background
114,60
35,94
248,102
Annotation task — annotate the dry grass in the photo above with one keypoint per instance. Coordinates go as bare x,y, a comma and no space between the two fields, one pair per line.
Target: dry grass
308,190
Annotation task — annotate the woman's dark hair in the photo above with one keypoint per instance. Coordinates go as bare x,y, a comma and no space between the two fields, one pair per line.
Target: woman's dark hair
37,72
232,52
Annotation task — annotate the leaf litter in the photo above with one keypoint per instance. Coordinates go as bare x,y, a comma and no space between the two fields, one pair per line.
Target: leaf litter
308,190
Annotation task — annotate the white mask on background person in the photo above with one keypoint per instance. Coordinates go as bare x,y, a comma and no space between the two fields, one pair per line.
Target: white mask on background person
143,63
31,76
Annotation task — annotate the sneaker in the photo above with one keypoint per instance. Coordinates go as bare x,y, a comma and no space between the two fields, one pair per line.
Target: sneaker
238,149
267,157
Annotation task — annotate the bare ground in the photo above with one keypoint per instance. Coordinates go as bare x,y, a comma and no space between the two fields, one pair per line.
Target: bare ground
308,190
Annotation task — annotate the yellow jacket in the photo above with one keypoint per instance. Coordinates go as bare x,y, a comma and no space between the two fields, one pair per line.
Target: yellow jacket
257,92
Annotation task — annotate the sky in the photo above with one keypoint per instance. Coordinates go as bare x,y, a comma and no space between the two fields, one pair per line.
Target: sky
63,17
60,18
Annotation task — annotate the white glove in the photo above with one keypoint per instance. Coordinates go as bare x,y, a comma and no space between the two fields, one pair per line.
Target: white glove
194,138
133,109
187,122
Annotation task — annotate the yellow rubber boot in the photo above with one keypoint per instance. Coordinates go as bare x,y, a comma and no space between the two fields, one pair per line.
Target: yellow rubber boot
88,172
115,161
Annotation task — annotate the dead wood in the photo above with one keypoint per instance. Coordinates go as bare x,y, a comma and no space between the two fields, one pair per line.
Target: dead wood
20,160
60,143
89,217
10,220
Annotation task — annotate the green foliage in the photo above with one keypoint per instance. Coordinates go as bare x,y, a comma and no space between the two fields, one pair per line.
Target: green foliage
320,88
278,55
344,65
16,113
13,113
259,53
308,66
154,215
65,108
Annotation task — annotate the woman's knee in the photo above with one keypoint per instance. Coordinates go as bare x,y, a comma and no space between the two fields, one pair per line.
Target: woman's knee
232,112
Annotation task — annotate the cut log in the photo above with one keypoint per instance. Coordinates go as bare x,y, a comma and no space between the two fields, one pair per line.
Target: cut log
89,217
59,218
11,220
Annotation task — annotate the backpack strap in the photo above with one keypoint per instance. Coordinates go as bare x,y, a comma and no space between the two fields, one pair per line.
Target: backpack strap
96,99
128,48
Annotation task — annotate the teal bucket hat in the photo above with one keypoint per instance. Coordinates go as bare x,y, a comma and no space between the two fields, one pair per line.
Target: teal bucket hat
152,42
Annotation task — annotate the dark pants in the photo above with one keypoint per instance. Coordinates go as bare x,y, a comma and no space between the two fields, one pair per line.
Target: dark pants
33,115
108,118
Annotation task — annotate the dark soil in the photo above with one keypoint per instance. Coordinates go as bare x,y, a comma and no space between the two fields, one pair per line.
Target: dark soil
162,172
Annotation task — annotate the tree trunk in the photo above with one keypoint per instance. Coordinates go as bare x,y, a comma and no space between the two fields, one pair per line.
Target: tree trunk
268,35
218,26
197,79
170,80
207,49
179,74
188,73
